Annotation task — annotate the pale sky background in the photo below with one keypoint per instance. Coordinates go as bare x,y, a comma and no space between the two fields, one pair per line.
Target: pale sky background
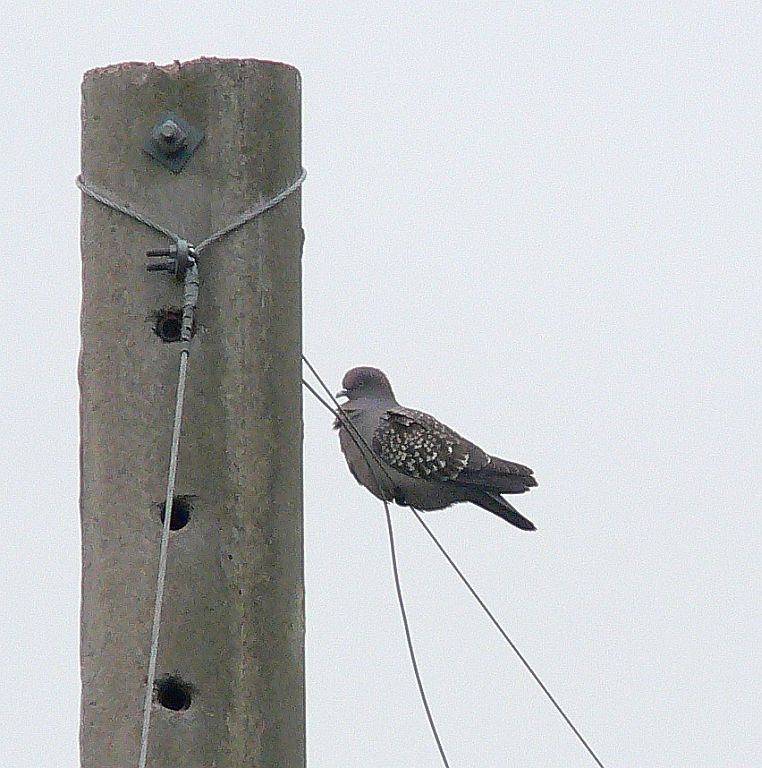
544,222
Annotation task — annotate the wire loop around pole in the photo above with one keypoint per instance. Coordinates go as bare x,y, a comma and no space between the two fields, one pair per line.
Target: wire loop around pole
106,198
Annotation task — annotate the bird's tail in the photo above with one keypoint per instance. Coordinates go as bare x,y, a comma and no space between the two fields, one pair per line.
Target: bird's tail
496,504
499,476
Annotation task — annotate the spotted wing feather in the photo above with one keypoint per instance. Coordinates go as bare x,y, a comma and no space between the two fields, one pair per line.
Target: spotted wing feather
416,444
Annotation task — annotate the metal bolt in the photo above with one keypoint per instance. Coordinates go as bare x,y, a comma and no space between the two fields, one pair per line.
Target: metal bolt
170,136
179,256
171,141
169,130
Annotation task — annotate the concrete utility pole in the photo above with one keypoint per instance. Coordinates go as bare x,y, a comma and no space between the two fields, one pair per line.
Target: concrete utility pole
230,671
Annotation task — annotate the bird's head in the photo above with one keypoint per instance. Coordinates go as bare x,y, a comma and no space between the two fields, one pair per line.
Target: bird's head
365,382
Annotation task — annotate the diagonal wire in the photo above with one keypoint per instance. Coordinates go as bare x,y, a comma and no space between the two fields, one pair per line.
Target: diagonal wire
189,303
507,639
395,572
357,436
252,213
408,635
105,198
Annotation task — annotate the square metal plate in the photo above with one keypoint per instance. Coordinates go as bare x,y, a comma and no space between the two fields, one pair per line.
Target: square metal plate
172,141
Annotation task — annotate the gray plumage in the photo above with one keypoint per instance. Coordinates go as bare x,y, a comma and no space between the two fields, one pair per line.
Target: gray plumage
424,463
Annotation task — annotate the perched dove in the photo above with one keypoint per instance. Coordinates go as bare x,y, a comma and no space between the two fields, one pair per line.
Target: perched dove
423,463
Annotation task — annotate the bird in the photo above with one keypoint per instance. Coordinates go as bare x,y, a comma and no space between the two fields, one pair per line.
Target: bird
407,456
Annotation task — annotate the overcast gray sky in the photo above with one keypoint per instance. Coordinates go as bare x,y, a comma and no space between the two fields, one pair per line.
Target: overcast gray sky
544,223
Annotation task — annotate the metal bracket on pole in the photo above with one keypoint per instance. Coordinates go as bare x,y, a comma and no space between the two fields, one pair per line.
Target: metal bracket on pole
172,141
175,259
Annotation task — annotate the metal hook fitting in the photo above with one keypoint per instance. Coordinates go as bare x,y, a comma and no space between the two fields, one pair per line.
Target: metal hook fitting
175,259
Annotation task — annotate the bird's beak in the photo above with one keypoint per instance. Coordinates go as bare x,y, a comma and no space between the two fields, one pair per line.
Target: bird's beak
342,393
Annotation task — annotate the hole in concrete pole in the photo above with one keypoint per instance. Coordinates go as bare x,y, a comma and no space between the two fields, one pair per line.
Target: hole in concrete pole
173,693
181,509
168,324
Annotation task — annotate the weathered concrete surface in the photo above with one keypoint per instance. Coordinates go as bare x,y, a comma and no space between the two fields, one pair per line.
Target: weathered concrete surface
233,621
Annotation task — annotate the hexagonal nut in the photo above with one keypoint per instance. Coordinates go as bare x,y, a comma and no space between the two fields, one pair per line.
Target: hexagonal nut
169,136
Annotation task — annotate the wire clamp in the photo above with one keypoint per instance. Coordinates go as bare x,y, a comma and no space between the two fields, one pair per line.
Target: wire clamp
174,259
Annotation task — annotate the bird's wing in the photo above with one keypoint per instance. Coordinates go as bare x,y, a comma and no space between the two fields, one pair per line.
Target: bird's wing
417,445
